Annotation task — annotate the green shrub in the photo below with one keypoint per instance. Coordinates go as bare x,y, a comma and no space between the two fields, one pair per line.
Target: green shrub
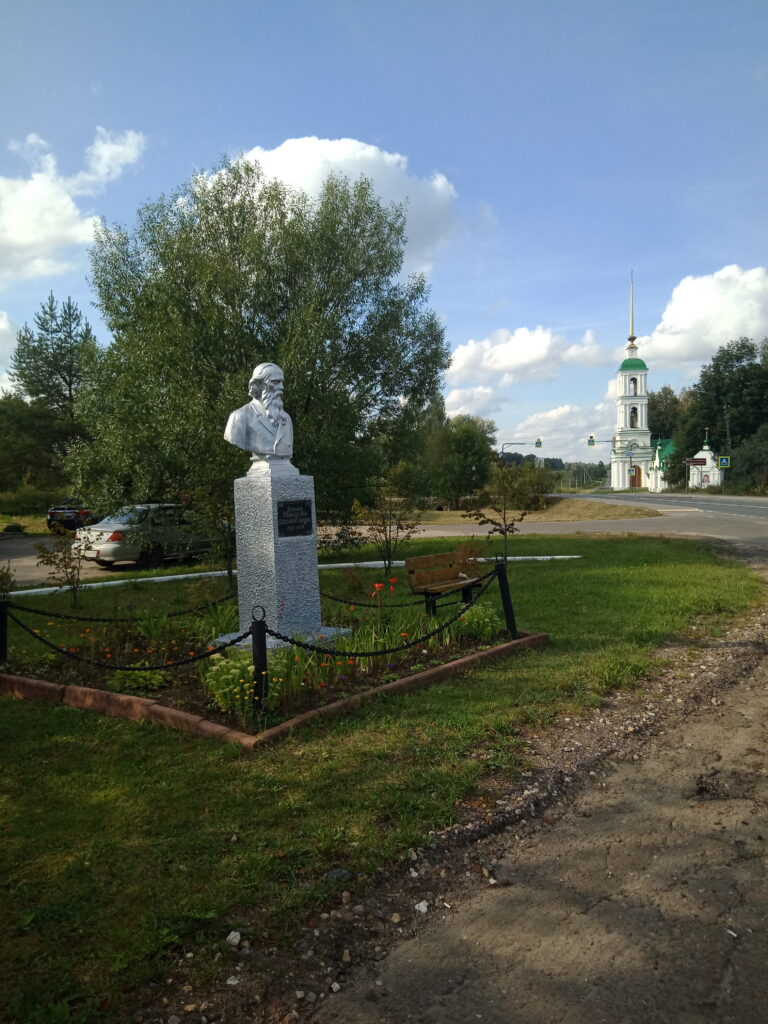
137,682
481,622
28,501
228,678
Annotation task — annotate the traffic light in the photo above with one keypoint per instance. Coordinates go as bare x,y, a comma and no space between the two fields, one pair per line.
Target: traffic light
537,442
591,441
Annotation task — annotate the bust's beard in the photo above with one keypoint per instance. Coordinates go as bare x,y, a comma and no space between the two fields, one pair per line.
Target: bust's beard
273,403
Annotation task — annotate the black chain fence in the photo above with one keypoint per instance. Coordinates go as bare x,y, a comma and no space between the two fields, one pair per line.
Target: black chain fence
257,633
110,667
93,618
386,650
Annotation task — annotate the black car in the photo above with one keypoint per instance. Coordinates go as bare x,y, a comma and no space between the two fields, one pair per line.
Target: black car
69,515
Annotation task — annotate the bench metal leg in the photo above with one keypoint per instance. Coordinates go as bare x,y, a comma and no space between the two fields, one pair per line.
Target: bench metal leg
430,604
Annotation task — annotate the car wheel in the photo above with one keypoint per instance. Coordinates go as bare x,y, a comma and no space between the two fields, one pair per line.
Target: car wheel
151,558
104,563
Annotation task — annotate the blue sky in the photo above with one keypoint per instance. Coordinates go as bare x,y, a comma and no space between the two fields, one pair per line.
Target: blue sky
545,150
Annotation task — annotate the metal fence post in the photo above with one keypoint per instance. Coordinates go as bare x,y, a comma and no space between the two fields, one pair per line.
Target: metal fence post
506,598
260,670
3,629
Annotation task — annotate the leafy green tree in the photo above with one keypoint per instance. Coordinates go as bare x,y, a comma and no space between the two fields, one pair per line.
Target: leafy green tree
663,411
460,456
50,362
733,393
33,443
526,487
233,270
749,466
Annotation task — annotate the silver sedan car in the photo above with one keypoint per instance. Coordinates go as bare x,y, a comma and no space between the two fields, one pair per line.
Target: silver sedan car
146,534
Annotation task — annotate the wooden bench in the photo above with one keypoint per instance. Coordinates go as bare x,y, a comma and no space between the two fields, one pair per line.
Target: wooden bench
435,575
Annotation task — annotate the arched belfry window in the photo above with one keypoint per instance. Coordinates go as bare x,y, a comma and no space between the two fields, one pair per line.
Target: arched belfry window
633,385
633,416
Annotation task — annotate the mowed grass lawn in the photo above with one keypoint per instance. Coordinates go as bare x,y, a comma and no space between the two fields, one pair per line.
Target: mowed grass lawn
123,842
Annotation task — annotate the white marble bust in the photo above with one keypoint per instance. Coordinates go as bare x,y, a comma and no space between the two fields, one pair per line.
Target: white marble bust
263,427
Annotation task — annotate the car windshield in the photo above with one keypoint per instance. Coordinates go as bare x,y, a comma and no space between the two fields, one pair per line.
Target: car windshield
129,516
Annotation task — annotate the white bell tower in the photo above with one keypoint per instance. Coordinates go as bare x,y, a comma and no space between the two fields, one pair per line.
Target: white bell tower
631,454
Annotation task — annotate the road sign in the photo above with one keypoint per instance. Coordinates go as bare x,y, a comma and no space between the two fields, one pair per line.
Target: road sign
695,462
724,461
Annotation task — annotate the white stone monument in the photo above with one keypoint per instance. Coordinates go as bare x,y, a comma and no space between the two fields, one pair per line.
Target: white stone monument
275,520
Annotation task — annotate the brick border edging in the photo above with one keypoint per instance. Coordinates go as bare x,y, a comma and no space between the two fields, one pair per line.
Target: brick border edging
123,705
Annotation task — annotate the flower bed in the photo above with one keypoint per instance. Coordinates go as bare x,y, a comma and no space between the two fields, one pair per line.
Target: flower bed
220,687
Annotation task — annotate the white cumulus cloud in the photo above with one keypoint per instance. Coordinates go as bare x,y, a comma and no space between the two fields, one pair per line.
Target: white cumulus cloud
305,163
477,401
506,356
707,312
39,217
565,429
8,332
587,352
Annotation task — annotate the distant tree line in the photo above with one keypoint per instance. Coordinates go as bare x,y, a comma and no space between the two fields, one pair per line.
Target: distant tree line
730,401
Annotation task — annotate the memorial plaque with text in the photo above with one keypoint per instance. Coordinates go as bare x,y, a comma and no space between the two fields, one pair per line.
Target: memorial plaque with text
294,518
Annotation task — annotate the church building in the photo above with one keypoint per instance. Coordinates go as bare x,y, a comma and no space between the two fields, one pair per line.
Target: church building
636,461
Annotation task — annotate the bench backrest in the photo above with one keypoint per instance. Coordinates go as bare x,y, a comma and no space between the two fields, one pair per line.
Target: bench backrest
424,570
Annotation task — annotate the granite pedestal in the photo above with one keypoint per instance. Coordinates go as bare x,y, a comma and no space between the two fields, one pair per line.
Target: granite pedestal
276,533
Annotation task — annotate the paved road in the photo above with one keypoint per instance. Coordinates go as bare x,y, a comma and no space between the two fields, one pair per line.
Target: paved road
727,518
21,553
746,507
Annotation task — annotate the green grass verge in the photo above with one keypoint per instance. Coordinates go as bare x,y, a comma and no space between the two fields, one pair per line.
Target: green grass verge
117,837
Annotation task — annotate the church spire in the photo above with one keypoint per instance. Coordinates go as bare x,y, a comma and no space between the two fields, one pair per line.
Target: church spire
631,337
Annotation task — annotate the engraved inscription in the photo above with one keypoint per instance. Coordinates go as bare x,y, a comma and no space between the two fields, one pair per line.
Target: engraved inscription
294,518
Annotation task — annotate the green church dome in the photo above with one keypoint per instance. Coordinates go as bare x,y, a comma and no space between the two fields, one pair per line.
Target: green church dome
633,364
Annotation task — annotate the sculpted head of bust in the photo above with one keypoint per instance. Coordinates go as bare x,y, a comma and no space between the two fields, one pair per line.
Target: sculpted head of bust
263,427
267,384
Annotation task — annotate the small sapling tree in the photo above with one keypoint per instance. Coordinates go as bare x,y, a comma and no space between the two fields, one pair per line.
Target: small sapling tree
64,561
388,521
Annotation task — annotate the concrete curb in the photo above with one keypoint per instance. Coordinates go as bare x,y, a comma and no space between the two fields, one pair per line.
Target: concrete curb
123,705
